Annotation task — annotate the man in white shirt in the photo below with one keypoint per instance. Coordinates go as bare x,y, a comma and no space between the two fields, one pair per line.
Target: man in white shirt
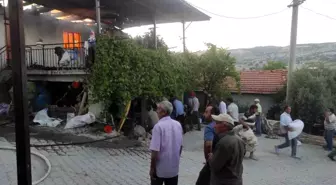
285,120
258,117
233,110
194,106
329,128
222,107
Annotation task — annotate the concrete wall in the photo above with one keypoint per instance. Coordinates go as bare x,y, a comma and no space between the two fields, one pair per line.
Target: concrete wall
266,101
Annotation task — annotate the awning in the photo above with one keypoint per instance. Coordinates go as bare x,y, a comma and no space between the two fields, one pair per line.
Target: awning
129,13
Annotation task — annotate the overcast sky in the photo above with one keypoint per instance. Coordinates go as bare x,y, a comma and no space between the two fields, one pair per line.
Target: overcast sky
236,33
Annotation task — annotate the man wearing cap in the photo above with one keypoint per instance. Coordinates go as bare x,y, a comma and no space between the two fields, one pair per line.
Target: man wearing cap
209,144
258,117
226,163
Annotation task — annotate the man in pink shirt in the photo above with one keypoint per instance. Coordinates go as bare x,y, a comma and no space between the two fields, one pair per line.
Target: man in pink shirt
166,147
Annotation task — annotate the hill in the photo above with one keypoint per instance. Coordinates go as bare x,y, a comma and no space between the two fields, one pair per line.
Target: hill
256,58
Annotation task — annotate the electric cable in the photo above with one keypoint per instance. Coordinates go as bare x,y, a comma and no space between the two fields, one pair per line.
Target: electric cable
317,13
240,18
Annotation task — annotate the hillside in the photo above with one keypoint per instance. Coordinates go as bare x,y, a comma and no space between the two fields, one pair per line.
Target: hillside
254,58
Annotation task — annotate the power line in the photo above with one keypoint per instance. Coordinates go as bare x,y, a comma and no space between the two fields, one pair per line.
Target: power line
317,13
241,18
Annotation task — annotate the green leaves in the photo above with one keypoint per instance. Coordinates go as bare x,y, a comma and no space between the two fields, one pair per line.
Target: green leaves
313,91
125,69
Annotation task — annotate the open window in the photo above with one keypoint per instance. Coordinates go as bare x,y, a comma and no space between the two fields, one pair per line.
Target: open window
72,40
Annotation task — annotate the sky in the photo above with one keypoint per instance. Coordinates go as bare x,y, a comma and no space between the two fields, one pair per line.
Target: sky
245,33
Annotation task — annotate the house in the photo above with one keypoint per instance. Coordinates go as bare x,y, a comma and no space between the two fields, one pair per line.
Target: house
258,84
68,23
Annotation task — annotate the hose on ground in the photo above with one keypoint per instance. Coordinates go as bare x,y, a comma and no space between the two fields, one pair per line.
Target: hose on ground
36,154
74,143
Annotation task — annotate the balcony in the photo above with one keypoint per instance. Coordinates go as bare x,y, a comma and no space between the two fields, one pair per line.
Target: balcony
53,62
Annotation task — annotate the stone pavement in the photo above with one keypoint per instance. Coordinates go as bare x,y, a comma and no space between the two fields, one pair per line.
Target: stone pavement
79,165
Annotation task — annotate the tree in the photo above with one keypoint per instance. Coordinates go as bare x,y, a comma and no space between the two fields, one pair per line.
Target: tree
213,68
125,70
273,65
312,92
147,41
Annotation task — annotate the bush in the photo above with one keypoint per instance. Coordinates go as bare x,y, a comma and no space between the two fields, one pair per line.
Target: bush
313,90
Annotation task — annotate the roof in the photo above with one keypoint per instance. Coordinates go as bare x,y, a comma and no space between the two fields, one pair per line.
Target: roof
260,82
129,13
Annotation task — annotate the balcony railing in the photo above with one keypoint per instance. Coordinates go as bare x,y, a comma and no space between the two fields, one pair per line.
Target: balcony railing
43,57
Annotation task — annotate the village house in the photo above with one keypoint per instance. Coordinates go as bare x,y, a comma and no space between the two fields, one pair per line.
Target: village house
261,84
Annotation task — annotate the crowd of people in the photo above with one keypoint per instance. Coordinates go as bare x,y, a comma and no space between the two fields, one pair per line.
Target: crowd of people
227,139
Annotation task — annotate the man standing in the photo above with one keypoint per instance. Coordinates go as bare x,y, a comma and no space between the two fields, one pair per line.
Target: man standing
329,128
233,110
179,112
209,144
226,163
194,106
166,147
244,130
285,120
222,107
258,117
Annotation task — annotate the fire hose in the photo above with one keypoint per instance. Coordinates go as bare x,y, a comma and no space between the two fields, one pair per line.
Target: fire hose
36,154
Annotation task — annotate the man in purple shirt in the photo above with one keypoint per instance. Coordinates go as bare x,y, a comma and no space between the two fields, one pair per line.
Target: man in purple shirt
166,147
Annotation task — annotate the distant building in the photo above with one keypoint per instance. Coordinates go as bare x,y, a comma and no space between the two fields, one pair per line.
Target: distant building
258,84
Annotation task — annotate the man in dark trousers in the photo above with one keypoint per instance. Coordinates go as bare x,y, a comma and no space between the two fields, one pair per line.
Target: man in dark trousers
226,163
209,144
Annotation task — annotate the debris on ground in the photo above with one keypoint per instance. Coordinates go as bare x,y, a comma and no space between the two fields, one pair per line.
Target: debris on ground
140,131
80,121
43,119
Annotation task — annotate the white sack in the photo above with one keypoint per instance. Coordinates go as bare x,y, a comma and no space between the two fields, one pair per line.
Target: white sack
44,120
80,121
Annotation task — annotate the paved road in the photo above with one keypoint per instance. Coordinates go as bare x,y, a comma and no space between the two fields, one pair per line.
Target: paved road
76,165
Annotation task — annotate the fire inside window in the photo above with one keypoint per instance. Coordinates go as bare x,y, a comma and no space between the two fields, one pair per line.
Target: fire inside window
71,40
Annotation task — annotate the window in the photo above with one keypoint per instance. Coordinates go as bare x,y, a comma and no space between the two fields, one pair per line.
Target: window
71,40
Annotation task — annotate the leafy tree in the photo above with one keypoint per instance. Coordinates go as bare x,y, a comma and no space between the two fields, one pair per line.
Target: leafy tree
312,92
125,70
147,41
273,65
214,67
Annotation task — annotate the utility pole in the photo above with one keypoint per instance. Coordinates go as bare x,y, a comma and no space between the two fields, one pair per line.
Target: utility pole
98,21
22,139
184,38
292,55
155,34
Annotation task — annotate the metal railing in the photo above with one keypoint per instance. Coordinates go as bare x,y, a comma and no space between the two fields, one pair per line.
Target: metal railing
43,57
3,58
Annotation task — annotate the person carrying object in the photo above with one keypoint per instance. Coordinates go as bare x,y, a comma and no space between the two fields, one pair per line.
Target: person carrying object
285,120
